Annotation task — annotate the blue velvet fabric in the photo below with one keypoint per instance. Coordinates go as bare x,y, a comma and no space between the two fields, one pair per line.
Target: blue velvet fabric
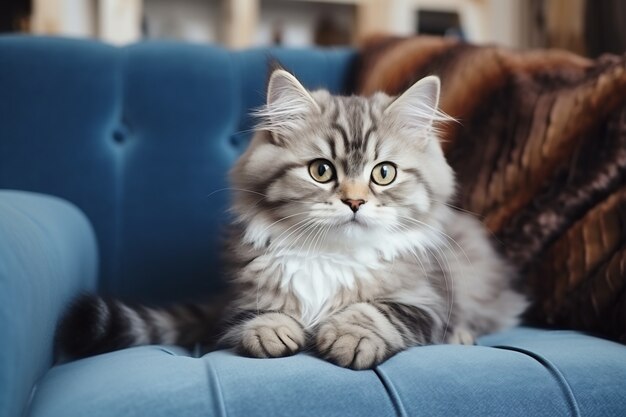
48,255
523,372
141,139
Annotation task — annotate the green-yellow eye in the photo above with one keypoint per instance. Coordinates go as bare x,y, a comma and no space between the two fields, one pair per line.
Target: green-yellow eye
322,170
384,173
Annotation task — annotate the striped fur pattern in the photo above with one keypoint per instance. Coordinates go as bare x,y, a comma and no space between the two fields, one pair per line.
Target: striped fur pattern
95,325
540,157
403,270
356,257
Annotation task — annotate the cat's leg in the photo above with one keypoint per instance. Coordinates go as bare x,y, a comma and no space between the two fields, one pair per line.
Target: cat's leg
461,336
363,335
267,335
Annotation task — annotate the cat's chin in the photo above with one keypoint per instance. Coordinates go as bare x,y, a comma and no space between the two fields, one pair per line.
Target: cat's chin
354,227
356,222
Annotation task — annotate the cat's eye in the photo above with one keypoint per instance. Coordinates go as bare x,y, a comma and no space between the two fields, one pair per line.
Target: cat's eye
321,170
384,173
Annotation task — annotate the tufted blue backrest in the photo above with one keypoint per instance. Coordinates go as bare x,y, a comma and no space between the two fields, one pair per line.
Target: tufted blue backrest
141,139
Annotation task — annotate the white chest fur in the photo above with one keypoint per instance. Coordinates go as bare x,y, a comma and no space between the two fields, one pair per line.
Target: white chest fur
316,277
316,280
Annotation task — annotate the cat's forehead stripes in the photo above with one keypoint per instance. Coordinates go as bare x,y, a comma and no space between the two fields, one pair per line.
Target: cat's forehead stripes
353,124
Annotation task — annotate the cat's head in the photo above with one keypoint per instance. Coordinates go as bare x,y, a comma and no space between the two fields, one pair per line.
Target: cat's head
349,165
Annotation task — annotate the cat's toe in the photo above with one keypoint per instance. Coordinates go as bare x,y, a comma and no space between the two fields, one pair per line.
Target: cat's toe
354,347
271,335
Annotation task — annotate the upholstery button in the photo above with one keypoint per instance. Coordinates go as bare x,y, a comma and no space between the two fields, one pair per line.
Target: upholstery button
119,136
122,131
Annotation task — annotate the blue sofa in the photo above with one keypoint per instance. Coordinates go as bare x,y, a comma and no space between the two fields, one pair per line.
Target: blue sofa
112,169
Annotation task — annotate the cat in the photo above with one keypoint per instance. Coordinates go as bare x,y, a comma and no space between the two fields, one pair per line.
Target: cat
343,242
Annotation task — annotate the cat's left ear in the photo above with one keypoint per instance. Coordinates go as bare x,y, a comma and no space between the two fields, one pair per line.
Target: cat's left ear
289,104
417,107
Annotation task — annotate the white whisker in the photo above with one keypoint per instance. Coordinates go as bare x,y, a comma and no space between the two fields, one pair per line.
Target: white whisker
265,196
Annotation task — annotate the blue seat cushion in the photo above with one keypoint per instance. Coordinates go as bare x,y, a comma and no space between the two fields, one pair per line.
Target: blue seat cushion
522,372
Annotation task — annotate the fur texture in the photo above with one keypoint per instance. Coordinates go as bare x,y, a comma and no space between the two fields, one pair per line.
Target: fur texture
540,159
343,239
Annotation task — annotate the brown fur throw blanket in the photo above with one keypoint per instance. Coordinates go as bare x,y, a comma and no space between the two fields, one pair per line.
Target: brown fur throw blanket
540,155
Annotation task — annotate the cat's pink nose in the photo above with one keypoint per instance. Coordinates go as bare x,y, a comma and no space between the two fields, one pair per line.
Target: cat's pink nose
353,204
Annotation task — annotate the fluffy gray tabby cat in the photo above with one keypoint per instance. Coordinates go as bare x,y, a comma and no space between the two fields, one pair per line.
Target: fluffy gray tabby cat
343,242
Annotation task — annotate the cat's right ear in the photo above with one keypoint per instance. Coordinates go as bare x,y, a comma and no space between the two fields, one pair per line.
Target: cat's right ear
288,105
417,108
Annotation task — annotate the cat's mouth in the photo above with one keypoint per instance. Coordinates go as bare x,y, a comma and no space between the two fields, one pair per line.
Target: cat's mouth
354,220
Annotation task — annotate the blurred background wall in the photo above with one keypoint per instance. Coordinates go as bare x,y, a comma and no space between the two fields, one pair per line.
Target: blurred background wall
588,27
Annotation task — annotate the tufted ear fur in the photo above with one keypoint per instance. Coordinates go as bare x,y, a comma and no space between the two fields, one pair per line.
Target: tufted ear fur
288,105
417,107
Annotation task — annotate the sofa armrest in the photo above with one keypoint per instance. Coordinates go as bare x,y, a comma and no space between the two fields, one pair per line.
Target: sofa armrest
48,254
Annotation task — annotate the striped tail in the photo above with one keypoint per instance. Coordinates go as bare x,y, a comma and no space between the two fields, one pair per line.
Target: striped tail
94,325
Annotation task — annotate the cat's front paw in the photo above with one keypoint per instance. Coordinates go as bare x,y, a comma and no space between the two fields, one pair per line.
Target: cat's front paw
358,337
271,335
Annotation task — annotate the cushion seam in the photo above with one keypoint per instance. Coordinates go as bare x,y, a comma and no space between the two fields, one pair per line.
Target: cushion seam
215,386
392,393
554,371
119,167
